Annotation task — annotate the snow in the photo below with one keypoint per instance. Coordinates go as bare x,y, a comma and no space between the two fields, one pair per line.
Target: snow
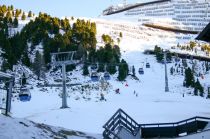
88,114
13,128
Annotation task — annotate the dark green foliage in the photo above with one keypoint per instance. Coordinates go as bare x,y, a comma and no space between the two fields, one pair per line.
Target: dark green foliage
123,70
5,66
17,13
44,30
189,78
23,79
25,59
158,53
70,67
101,68
8,15
111,69
121,35
38,64
23,16
107,39
15,22
198,87
169,56
30,14
85,70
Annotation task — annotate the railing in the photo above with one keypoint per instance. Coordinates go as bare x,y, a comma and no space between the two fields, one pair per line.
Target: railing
118,120
188,126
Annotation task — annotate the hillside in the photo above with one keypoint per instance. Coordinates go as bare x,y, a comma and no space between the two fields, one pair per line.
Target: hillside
141,95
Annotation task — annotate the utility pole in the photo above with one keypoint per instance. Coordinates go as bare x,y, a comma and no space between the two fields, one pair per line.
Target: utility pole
166,76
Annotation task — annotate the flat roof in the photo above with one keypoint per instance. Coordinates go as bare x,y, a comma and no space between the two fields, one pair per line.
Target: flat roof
205,34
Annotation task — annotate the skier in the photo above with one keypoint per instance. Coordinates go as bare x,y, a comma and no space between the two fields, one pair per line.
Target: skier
117,91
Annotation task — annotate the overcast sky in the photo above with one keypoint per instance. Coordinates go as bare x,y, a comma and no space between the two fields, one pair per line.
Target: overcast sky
59,8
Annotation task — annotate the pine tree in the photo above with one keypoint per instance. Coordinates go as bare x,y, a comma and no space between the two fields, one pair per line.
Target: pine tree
23,16
26,60
85,70
198,87
159,53
37,65
15,23
121,35
8,15
101,68
195,91
189,78
123,70
29,14
23,79
111,69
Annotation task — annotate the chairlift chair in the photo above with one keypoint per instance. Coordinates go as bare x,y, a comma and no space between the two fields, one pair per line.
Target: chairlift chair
93,67
106,76
94,77
24,95
141,71
147,65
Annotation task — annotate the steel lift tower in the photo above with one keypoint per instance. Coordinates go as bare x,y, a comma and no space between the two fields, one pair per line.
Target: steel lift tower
63,59
9,90
166,75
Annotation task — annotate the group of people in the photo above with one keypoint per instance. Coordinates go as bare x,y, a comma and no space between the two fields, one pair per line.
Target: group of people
117,91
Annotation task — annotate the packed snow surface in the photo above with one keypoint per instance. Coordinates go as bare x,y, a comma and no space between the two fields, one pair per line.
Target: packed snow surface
87,113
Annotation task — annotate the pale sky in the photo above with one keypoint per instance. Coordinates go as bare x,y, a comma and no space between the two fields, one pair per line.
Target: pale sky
60,8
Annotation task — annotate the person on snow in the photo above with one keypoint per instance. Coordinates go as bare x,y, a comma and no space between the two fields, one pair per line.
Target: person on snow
117,91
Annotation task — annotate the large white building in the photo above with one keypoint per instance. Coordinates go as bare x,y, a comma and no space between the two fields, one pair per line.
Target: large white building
188,15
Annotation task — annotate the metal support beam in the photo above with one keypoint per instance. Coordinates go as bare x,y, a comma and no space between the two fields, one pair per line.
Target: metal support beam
9,97
166,75
64,95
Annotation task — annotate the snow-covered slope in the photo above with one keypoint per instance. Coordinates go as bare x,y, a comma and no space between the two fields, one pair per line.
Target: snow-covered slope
12,128
144,99
87,113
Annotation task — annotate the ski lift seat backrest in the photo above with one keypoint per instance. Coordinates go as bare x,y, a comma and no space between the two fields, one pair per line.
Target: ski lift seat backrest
94,77
94,67
106,76
141,71
147,65
24,95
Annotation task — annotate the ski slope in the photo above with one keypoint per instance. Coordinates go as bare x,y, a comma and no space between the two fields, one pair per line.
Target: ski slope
88,114
151,104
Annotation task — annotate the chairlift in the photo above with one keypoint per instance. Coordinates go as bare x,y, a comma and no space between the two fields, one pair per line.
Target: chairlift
106,76
141,71
24,95
147,65
93,67
94,77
